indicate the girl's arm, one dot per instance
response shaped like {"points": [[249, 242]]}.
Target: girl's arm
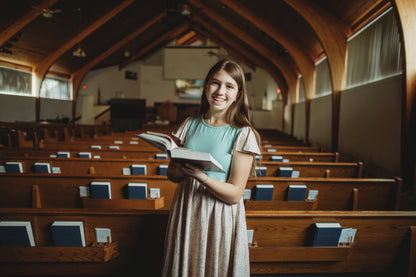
{"points": [[232, 190]]}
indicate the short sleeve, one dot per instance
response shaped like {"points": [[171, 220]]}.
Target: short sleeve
{"points": [[181, 132], [246, 142]]}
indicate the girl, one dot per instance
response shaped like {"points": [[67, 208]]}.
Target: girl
{"points": [[207, 233]]}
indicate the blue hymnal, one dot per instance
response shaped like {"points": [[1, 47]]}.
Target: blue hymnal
{"points": [[68, 233], [263, 192], [14, 167], [297, 193], [42, 168], [326, 234], [137, 191], [285, 171], [261, 171], [84, 155], [160, 156], [258, 157], [16, 233], [138, 169], [276, 158], [100, 190], [63, 155], [162, 169]]}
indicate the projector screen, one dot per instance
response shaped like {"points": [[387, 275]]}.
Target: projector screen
{"points": [[187, 62]]}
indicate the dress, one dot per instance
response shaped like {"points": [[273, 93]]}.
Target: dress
{"points": [[206, 236]]}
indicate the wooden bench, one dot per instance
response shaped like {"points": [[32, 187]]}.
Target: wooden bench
{"points": [[316, 169], [62, 191], [302, 156], [333, 194], [112, 167], [139, 236], [383, 243], [15, 152]]}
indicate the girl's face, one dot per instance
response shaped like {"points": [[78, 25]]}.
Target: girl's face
{"points": [[221, 91]]}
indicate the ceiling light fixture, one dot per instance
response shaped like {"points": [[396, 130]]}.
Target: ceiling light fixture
{"points": [[79, 52], [186, 10]]}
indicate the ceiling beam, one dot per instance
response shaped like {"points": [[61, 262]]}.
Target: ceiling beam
{"points": [[19, 24], [41, 70], [332, 34], [303, 61], [178, 30], [77, 76], [219, 34], [285, 66], [230, 50], [406, 10]]}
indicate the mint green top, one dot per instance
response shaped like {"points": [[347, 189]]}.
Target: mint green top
{"points": [[220, 142]]}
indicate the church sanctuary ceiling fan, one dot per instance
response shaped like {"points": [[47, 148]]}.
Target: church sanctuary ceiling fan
{"points": [[48, 12]]}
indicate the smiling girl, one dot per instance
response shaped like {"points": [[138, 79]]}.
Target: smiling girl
{"points": [[207, 233]]}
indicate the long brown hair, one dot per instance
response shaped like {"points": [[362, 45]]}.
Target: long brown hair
{"points": [[237, 114]]}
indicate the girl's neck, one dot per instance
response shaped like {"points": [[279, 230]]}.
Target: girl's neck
{"points": [[216, 120]]}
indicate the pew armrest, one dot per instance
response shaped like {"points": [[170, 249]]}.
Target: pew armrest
{"points": [[95, 253], [135, 204], [281, 205], [298, 254]]}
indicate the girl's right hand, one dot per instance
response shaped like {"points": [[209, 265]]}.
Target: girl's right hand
{"points": [[175, 172]]}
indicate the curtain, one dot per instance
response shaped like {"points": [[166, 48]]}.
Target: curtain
{"points": [[13, 81], [323, 85], [375, 52], [301, 96], [56, 88]]}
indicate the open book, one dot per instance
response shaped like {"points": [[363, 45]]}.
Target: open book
{"points": [[181, 154]]}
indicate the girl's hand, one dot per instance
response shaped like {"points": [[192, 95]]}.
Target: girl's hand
{"points": [[175, 172], [194, 171]]}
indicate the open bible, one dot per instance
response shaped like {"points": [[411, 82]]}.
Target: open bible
{"points": [[181, 154]]}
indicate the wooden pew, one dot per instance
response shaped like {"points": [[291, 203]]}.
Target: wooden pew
{"points": [[381, 245], [112, 167], [333, 194], [316, 169], [150, 153], [302, 156], [62, 191], [15, 153], [138, 235], [282, 243]]}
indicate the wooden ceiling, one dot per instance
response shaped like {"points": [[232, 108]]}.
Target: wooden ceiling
{"points": [[271, 34]]}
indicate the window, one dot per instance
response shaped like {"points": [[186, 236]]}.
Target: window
{"points": [[14, 81], [301, 96], [323, 85], [56, 88], [374, 53]]}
